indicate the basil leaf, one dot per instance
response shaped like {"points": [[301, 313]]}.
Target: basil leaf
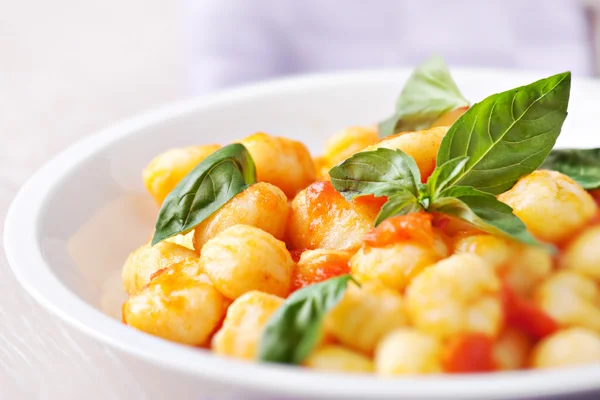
{"points": [[402, 203], [428, 93], [210, 185], [582, 165], [443, 175], [294, 329], [381, 172], [508, 134], [484, 211]]}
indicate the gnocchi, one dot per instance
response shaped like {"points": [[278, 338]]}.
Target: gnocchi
{"points": [[551, 204], [392, 266], [365, 315], [511, 350], [395, 265], [245, 320], [177, 306], [408, 351], [320, 218], [582, 255], [421, 145], [571, 299], [522, 267], [166, 170], [282, 162], [147, 260], [262, 205], [243, 258], [347, 142], [466, 294], [574, 346], [335, 358]]}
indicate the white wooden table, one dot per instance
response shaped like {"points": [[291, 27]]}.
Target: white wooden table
{"points": [[66, 70]]}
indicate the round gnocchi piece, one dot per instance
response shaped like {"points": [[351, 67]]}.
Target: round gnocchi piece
{"points": [[261, 205], [334, 358], [243, 258], [394, 265], [496, 251], [574, 346], [143, 262], [166, 170], [529, 266], [448, 118], [511, 350], [460, 294], [422, 146], [347, 142], [365, 315], [522, 267], [244, 323], [408, 351], [320, 218], [571, 299], [582, 255], [283, 162], [322, 168], [177, 306], [551, 204]]}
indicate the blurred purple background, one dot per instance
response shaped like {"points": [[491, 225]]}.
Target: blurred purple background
{"points": [[236, 41]]}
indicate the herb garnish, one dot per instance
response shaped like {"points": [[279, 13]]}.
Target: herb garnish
{"points": [[498, 140], [428, 93], [211, 184], [582, 165], [295, 328]]}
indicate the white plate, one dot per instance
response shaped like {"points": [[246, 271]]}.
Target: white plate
{"points": [[73, 223]]}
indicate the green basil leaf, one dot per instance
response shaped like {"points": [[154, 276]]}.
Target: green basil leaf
{"points": [[211, 184], [387, 127], [402, 203], [294, 329], [582, 165], [484, 211], [428, 93], [508, 134], [443, 175], [381, 172]]}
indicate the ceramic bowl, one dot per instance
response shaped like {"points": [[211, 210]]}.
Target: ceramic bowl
{"points": [[74, 222]]}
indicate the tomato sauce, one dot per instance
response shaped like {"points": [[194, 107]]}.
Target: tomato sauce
{"points": [[296, 254], [371, 201], [523, 314], [318, 273], [468, 353], [414, 226], [321, 196]]}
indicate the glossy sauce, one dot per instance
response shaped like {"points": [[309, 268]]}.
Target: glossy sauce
{"points": [[524, 315], [468, 353], [319, 272], [415, 226]]}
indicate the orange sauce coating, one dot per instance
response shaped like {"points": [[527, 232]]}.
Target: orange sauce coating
{"points": [[523, 314], [468, 353], [319, 271], [414, 226]]}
